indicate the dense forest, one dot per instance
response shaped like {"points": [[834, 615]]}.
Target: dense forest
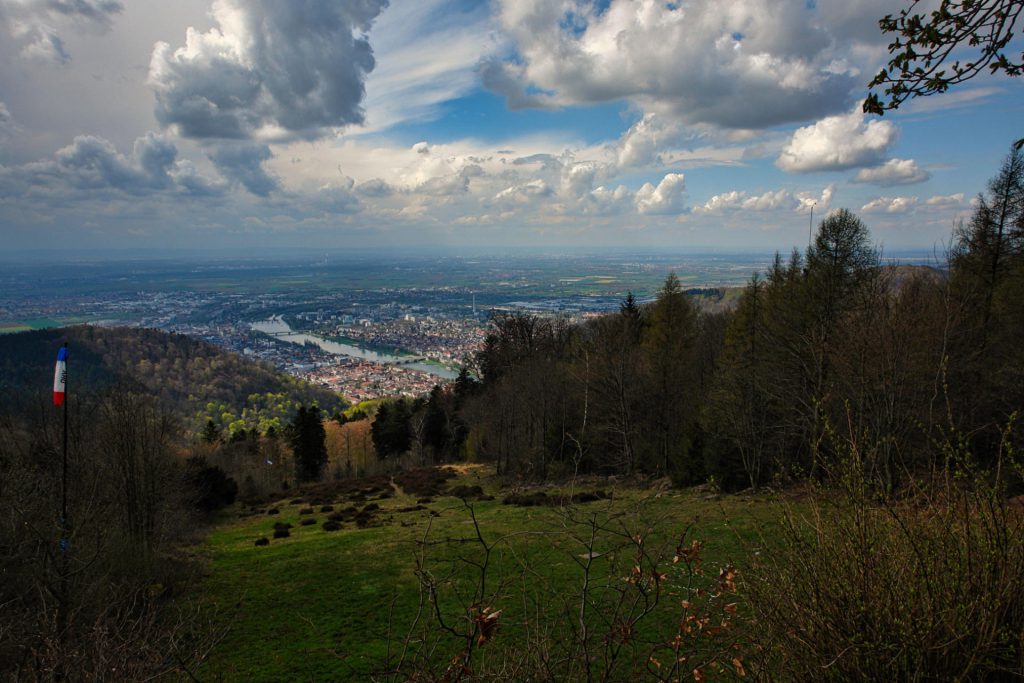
{"points": [[830, 347]]}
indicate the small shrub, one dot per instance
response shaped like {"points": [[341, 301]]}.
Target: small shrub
{"points": [[590, 497], [331, 525], [306, 511], [282, 525], [336, 517], [370, 507], [466, 492], [273, 511], [262, 541], [282, 533], [308, 521], [327, 508]]}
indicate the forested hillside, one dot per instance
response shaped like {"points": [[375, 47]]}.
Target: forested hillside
{"points": [[830, 351], [193, 378]]}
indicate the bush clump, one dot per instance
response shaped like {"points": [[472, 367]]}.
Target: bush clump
{"points": [[262, 541], [282, 533], [212, 488], [308, 521], [923, 587], [466, 492], [331, 525], [542, 499]]}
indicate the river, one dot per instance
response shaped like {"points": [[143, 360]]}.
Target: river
{"points": [[277, 327]]}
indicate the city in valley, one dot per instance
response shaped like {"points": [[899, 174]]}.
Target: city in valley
{"points": [[365, 326]]}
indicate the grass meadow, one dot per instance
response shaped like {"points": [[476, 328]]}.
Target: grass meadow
{"points": [[346, 604]]}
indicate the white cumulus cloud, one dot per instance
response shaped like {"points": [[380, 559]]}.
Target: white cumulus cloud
{"points": [[947, 201], [743, 64], [92, 167], [35, 24], [773, 200], [524, 194], [890, 205], [268, 69], [893, 172], [669, 197], [837, 143], [7, 124]]}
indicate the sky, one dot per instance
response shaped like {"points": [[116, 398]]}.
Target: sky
{"points": [[686, 125]]}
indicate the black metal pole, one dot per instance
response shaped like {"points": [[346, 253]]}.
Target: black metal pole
{"points": [[62, 614], [64, 468]]}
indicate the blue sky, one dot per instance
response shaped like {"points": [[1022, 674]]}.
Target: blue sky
{"points": [[255, 123]]}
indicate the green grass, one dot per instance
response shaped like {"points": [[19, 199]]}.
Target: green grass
{"points": [[9, 326], [321, 606], [41, 323]]}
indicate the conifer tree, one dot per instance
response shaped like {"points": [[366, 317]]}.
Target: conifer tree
{"points": [[308, 440]]}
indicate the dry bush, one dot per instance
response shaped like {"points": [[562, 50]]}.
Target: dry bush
{"points": [[926, 586], [350, 450]]}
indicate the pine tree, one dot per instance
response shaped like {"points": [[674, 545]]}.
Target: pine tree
{"points": [[308, 440], [210, 432], [668, 343]]}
